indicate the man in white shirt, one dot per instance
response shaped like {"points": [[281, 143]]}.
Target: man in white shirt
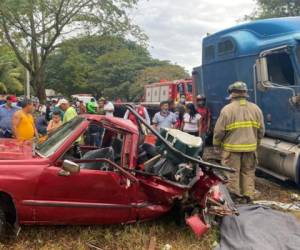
{"points": [[106, 107]]}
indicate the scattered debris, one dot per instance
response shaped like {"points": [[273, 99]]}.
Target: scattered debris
{"points": [[295, 206], [295, 197]]}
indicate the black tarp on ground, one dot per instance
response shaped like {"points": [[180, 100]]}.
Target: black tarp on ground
{"points": [[260, 228]]}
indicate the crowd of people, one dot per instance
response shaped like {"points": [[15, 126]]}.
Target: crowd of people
{"points": [[194, 120], [16, 119], [26, 120]]}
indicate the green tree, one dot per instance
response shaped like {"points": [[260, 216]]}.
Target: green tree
{"points": [[275, 8], [106, 65], [38, 26], [11, 72], [116, 70], [96, 64], [67, 70]]}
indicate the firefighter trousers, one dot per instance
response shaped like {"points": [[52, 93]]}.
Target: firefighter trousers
{"points": [[242, 182]]}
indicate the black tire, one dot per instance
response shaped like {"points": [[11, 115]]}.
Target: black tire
{"points": [[177, 214], [3, 224]]}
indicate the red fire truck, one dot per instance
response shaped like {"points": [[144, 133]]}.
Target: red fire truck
{"points": [[167, 90], [164, 90]]}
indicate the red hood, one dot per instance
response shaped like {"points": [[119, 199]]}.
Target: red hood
{"points": [[11, 149]]}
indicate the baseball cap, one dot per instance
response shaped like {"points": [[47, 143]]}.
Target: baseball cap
{"points": [[11, 98], [62, 101], [200, 97]]}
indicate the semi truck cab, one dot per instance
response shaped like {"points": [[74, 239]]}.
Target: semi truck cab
{"points": [[266, 55]]}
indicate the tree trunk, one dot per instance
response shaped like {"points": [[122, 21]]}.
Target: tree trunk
{"points": [[38, 85]]}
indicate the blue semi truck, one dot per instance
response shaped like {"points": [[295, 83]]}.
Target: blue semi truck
{"points": [[266, 55]]}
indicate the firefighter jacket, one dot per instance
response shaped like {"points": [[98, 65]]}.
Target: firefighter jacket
{"points": [[240, 127]]}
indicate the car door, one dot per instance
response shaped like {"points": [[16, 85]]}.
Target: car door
{"points": [[88, 197], [275, 101]]}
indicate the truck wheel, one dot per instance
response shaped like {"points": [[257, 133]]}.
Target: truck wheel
{"points": [[3, 224], [178, 214]]}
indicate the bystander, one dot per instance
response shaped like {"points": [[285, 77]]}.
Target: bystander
{"points": [[205, 116], [7, 112], [164, 118], [69, 112], [23, 127], [191, 121], [106, 107], [55, 122]]}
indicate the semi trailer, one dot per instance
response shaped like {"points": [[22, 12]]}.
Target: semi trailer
{"points": [[265, 54]]}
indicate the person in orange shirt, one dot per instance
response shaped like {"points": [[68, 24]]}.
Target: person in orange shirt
{"points": [[23, 126]]}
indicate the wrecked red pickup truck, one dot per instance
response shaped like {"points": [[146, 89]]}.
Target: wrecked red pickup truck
{"points": [[69, 180]]}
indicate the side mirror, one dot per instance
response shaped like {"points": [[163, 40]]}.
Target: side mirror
{"points": [[69, 168], [262, 74]]}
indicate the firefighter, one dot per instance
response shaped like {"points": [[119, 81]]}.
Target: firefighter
{"points": [[238, 132]]}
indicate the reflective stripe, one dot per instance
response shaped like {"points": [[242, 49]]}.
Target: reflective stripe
{"points": [[244, 124], [243, 102], [240, 147], [216, 142]]}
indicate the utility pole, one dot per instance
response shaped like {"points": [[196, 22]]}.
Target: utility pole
{"points": [[27, 78]]}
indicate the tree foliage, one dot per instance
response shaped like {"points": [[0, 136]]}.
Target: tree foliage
{"points": [[275, 8], [106, 66], [11, 72], [39, 26]]}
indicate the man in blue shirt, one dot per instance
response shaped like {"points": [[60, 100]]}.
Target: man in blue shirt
{"points": [[164, 118], [6, 113]]}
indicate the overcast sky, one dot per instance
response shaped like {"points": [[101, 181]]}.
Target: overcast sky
{"points": [[176, 27]]}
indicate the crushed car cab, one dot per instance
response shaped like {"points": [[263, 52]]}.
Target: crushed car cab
{"points": [[99, 170]]}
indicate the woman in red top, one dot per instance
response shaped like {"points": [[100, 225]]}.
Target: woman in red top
{"points": [[206, 118]]}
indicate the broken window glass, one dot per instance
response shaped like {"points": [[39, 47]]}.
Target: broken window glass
{"points": [[280, 69]]}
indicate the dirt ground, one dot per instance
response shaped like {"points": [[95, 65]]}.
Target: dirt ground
{"points": [[269, 187], [140, 236]]}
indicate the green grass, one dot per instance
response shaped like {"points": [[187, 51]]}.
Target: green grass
{"points": [[131, 237]]}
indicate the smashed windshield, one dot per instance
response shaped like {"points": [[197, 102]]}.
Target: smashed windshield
{"points": [[50, 146]]}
